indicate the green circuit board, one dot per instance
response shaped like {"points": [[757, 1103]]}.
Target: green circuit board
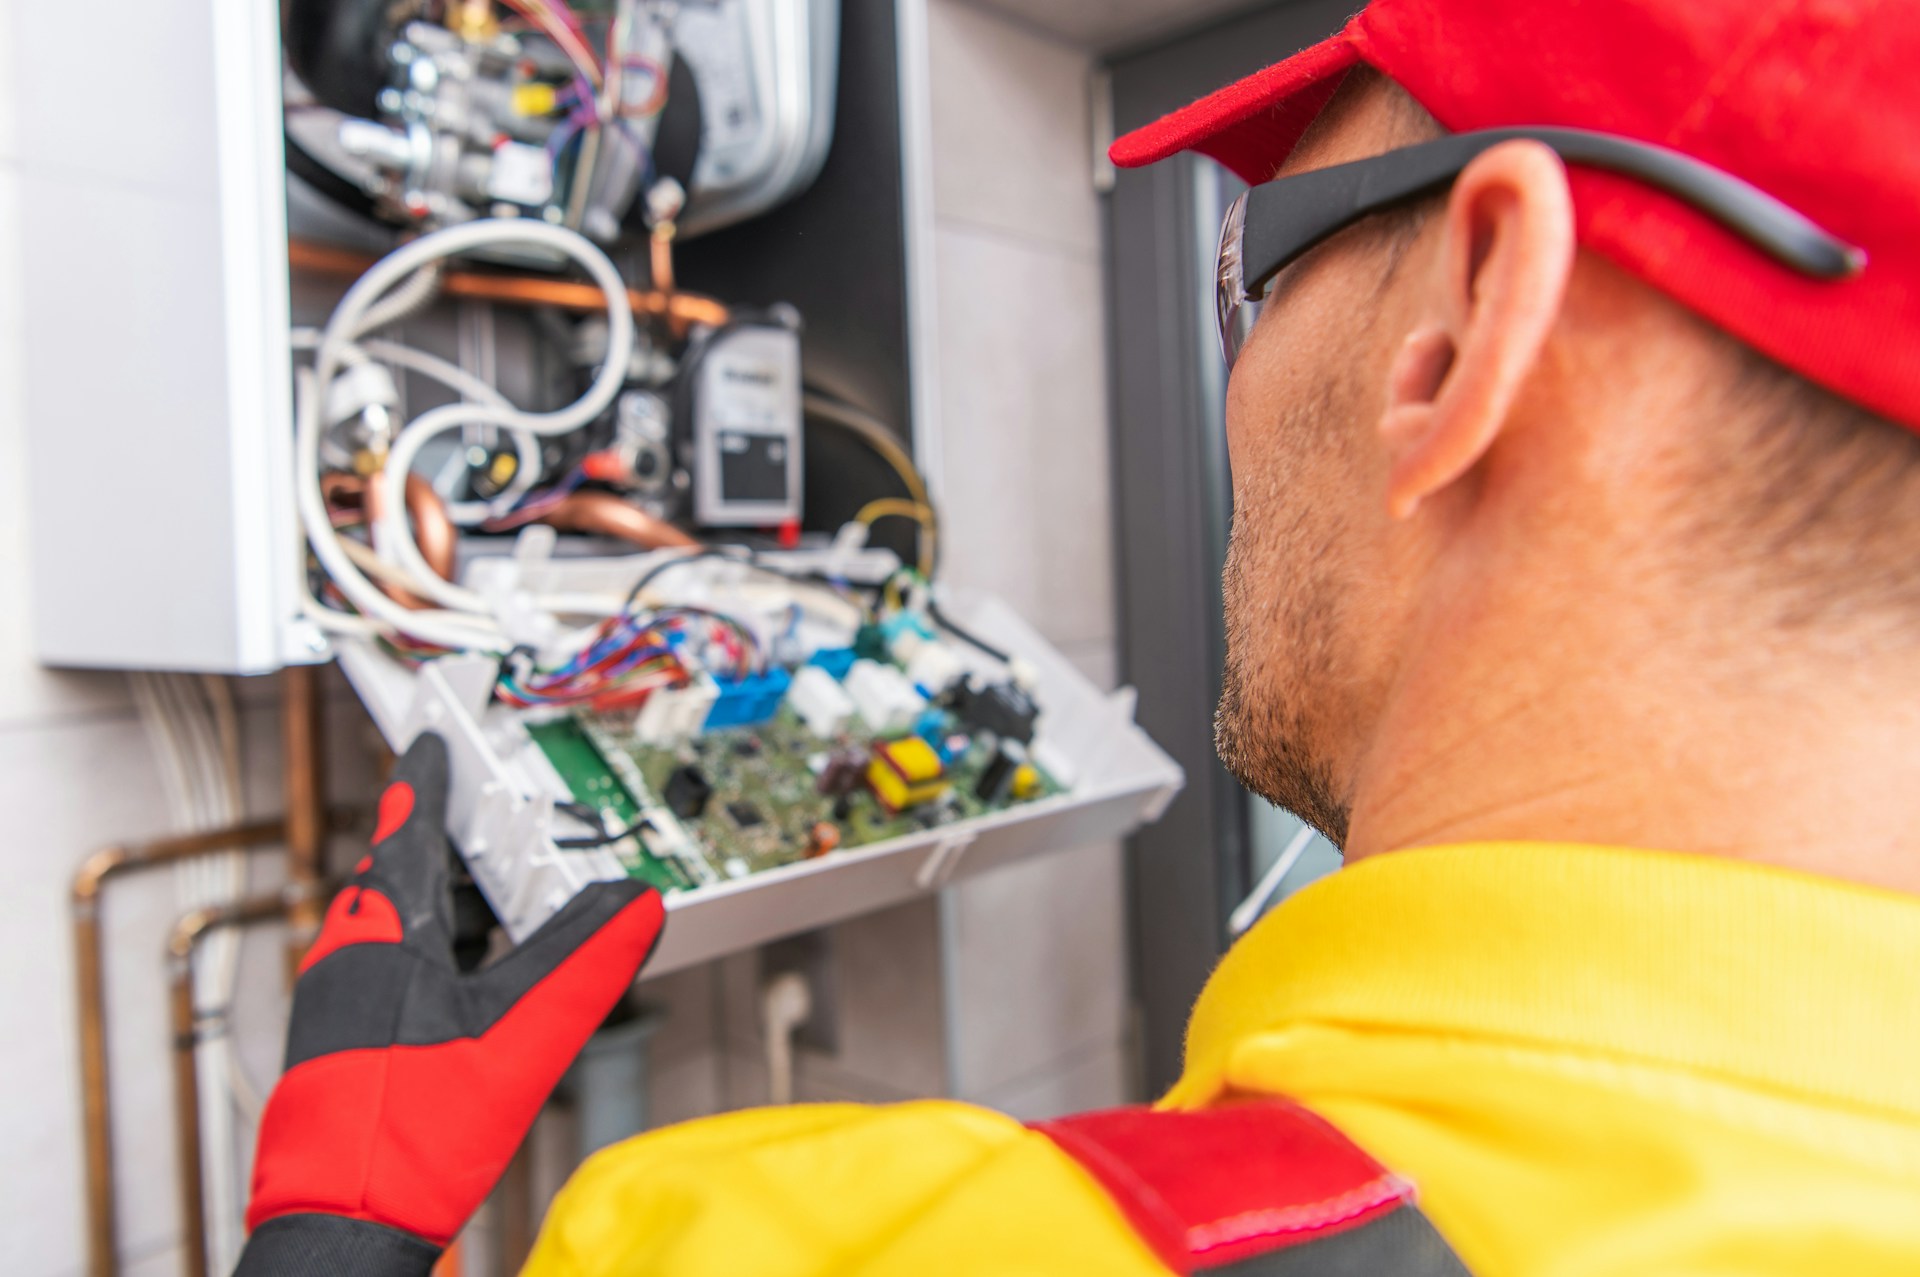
{"points": [[594, 784], [765, 797]]}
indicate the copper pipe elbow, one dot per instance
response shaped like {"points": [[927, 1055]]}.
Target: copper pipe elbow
{"points": [[433, 529], [604, 514]]}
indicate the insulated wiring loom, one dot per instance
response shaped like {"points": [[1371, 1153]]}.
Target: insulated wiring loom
{"points": [[595, 648]]}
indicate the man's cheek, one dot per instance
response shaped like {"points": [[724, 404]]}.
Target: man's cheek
{"points": [[1256, 407], [1239, 420]]}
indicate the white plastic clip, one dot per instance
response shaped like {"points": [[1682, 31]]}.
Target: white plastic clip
{"points": [[938, 868]]}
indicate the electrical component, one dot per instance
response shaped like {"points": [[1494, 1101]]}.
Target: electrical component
{"points": [[822, 704], [870, 644], [821, 839], [435, 123], [1027, 782], [643, 443], [841, 775], [674, 714], [934, 668], [836, 661], [996, 779], [743, 702], [904, 632], [1000, 708], [887, 701], [688, 791], [906, 773], [741, 388]]}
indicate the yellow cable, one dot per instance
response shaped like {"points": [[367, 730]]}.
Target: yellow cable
{"points": [[898, 508], [881, 440]]}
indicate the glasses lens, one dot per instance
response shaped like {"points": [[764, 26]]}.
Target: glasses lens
{"points": [[1234, 309]]}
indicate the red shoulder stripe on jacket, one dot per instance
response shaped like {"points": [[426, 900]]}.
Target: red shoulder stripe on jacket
{"points": [[1211, 1188]]}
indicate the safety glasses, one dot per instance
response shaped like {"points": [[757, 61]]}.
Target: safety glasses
{"points": [[1271, 225]]}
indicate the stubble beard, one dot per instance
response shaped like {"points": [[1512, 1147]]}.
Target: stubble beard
{"points": [[1281, 603]]}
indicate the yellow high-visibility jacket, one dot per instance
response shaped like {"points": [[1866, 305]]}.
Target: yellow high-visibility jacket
{"points": [[1590, 1062]]}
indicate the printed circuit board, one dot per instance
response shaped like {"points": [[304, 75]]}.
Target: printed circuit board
{"points": [[768, 795]]}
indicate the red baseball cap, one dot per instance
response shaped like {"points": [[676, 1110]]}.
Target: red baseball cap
{"points": [[1813, 101]]}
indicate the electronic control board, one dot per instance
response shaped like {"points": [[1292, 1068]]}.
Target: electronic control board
{"points": [[747, 799], [848, 770]]}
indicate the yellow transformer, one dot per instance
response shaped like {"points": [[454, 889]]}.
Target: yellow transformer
{"points": [[906, 773]]}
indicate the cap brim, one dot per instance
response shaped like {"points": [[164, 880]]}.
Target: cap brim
{"points": [[1250, 126]]}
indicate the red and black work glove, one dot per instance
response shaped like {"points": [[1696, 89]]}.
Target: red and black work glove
{"points": [[409, 1084]]}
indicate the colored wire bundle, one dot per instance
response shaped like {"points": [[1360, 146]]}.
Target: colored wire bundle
{"points": [[629, 659], [555, 20], [656, 100], [537, 504]]}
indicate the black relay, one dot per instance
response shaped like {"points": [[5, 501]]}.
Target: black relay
{"points": [[1000, 708], [688, 790]]}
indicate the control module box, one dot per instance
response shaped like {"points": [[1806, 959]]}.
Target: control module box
{"points": [[852, 766]]}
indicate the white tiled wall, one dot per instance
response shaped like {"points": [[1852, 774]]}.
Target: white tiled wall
{"points": [[75, 774], [1036, 953], [1028, 1011]]}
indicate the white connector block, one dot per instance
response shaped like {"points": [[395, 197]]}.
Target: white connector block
{"points": [[675, 714], [885, 697], [822, 704], [934, 668]]}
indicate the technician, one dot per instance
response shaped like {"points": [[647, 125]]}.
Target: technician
{"points": [[1573, 592]]}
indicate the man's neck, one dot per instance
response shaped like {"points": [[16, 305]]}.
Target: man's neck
{"points": [[1551, 728]]}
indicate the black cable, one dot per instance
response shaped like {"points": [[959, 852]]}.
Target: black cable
{"points": [[747, 559], [651, 574], [946, 623], [604, 838]]}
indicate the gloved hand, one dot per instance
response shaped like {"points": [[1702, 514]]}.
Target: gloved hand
{"points": [[409, 1085]]}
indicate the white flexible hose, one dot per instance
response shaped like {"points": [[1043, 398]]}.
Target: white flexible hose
{"points": [[526, 446], [375, 607], [393, 537], [407, 300]]}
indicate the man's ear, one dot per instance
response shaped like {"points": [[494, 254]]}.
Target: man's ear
{"points": [[1508, 251]]}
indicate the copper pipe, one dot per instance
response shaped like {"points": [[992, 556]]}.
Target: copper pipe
{"points": [[521, 290], [181, 944], [433, 529], [342, 491], [660, 262], [96, 1094], [661, 258], [473, 20], [604, 514], [301, 747]]}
